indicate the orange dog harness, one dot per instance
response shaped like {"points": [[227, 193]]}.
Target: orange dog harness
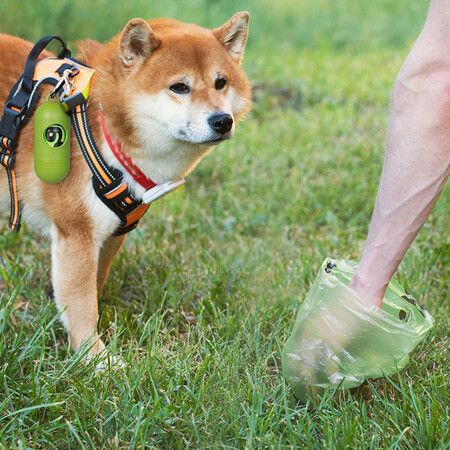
{"points": [[72, 81]]}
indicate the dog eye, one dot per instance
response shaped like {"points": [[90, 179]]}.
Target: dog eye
{"points": [[220, 83], [180, 88]]}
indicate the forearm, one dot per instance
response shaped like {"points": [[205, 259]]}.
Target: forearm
{"points": [[413, 176], [417, 159]]}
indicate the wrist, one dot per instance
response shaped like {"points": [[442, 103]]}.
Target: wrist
{"points": [[366, 290]]}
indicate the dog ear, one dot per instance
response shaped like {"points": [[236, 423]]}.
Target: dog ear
{"points": [[137, 42], [233, 34]]}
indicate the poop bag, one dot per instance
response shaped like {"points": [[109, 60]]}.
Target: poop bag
{"points": [[338, 341]]}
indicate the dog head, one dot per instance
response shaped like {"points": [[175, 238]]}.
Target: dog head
{"points": [[172, 89]]}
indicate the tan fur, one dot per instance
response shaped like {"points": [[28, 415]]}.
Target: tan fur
{"points": [[107, 252], [140, 63]]}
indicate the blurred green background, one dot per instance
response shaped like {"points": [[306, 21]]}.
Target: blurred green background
{"points": [[276, 25]]}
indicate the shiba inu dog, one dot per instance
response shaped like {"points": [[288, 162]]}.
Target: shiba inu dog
{"points": [[168, 91]]}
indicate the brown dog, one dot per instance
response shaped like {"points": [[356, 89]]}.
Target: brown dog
{"points": [[161, 85]]}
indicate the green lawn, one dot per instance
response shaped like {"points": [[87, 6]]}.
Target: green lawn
{"points": [[205, 294]]}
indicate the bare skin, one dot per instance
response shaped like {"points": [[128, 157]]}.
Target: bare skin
{"points": [[417, 158]]}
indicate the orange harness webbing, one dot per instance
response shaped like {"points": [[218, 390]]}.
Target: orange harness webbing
{"points": [[7, 161], [16, 110], [107, 181]]}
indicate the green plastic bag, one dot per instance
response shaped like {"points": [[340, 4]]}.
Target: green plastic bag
{"points": [[339, 341]]}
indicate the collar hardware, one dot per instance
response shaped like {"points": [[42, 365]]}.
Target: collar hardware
{"points": [[161, 190]]}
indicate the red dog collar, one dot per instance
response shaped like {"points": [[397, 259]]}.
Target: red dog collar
{"points": [[125, 160], [153, 191]]}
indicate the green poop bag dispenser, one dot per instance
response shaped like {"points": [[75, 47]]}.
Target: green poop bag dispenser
{"points": [[51, 142], [339, 341]]}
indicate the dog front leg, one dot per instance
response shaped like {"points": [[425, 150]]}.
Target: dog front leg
{"points": [[74, 273]]}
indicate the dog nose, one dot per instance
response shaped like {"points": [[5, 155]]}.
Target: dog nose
{"points": [[221, 123]]}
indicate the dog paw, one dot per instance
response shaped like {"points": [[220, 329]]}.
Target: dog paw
{"points": [[107, 362]]}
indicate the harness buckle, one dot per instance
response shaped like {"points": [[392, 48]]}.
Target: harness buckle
{"points": [[10, 123]]}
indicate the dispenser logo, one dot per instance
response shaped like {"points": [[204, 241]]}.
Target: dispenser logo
{"points": [[55, 135]]}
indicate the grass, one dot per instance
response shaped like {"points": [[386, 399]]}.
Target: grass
{"points": [[205, 294]]}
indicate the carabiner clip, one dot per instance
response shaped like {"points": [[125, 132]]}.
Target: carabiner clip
{"points": [[66, 83]]}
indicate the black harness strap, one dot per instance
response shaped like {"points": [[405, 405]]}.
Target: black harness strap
{"points": [[14, 113], [7, 161], [107, 181], [39, 47]]}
